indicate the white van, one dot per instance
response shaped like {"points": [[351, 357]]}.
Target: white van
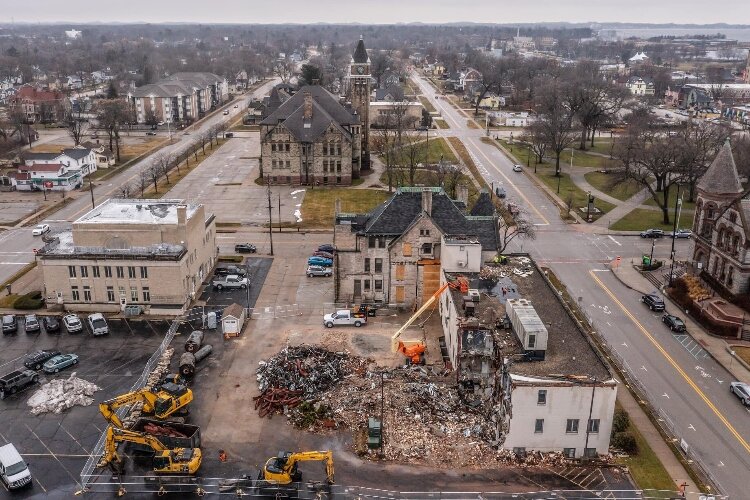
{"points": [[13, 470], [98, 324]]}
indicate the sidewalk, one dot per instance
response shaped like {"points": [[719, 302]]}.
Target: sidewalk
{"points": [[717, 347]]}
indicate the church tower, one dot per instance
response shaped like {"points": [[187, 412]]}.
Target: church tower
{"points": [[359, 95]]}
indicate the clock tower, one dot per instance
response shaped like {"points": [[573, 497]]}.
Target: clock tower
{"points": [[359, 96]]}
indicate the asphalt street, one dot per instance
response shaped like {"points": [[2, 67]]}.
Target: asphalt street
{"points": [[689, 388]]}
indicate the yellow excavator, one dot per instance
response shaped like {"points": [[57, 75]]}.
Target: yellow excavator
{"points": [[168, 400], [414, 349], [282, 469], [166, 461]]}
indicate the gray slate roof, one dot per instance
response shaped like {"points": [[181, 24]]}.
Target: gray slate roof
{"points": [[360, 53], [178, 83], [40, 156], [397, 214], [721, 177], [326, 111], [77, 153], [483, 205]]}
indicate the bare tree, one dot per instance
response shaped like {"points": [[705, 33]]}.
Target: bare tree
{"points": [[284, 69], [154, 174], [163, 163], [556, 122], [77, 127], [126, 190], [144, 178], [514, 223], [112, 114], [537, 140], [449, 174], [384, 144], [413, 151]]}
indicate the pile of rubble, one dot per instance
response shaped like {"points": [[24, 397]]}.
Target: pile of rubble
{"points": [[156, 376], [60, 394], [301, 373]]}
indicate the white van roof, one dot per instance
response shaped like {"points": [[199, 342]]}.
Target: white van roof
{"points": [[9, 455], [96, 316]]}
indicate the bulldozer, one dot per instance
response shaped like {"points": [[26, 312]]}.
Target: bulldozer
{"points": [[282, 469], [183, 461], [414, 349], [167, 401]]}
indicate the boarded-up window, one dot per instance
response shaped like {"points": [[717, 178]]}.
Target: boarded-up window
{"points": [[399, 294], [407, 249], [399, 271]]}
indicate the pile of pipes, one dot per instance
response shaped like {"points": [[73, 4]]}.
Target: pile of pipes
{"points": [[301, 373], [61, 394]]}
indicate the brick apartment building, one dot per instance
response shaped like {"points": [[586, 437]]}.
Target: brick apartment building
{"points": [[40, 106]]}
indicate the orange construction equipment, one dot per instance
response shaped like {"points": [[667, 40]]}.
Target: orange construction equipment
{"points": [[414, 350]]}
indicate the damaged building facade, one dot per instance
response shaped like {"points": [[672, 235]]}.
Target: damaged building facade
{"points": [[393, 254], [521, 359]]}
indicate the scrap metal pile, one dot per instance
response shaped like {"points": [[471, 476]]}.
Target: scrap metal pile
{"points": [[300, 373], [163, 430]]}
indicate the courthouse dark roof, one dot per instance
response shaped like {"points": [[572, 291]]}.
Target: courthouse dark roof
{"points": [[360, 54], [721, 177]]}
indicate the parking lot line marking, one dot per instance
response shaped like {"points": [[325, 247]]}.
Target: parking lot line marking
{"points": [[674, 364], [39, 483], [75, 480], [73, 438], [62, 455], [3, 438]]}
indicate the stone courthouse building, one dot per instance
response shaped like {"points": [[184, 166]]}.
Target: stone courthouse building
{"points": [[721, 225], [392, 255], [316, 138]]}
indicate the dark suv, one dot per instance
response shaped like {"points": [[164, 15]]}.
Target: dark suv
{"points": [[225, 271], [653, 301], [673, 322], [16, 381], [10, 324], [35, 360]]}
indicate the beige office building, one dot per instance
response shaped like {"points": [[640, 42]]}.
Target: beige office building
{"points": [[151, 253]]}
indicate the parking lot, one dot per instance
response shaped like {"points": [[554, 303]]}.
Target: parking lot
{"points": [[57, 446], [257, 270]]}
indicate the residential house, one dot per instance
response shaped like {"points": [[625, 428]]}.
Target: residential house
{"points": [[511, 119], [390, 80], [241, 80], [74, 82], [392, 255], [150, 253], [105, 157], [49, 176], [41, 106], [79, 159], [694, 97], [639, 57], [491, 101], [181, 97], [392, 93], [640, 86], [407, 113]]}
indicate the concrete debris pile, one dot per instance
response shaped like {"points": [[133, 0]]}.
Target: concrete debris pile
{"points": [[493, 273], [60, 394], [300, 373], [154, 378], [520, 266]]}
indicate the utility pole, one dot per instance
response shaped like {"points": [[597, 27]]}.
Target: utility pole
{"points": [[674, 234], [91, 190], [270, 219], [382, 413], [279, 211]]}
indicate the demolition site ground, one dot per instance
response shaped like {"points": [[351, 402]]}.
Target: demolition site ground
{"points": [[434, 445]]}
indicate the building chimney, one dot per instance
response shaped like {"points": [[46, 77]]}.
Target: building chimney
{"points": [[308, 106], [427, 200], [181, 215], [462, 193]]}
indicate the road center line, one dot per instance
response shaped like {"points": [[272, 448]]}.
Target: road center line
{"points": [[674, 364]]}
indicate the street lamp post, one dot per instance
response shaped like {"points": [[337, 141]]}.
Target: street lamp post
{"points": [[653, 244], [91, 190], [677, 207]]}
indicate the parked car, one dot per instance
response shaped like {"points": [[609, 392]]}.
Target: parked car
{"points": [[325, 255], [40, 230], [681, 233], [653, 301], [224, 271], [35, 360], [98, 324], [13, 470], [319, 261], [51, 324], [245, 248], [500, 192], [652, 233], [327, 248], [229, 281], [10, 324], [31, 324], [673, 322], [16, 381], [344, 317], [517, 168], [226, 112], [57, 363], [228, 135], [150, 133], [236, 106], [318, 271], [423, 128], [742, 391], [72, 323]]}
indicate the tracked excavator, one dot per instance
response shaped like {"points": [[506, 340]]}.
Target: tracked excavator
{"points": [[414, 349], [282, 469], [169, 399], [166, 461]]}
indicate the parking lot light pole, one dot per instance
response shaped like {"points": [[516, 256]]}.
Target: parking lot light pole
{"points": [[677, 205], [91, 190]]}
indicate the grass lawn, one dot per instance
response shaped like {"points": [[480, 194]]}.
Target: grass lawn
{"points": [[437, 148], [583, 159], [640, 219], [602, 145], [622, 191], [466, 159], [646, 468], [743, 352], [471, 124], [318, 205], [427, 104], [546, 173], [441, 123], [686, 205], [425, 177]]}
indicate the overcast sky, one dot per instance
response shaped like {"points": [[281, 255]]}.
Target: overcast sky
{"points": [[376, 11]]}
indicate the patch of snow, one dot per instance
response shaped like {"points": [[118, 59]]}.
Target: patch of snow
{"points": [[61, 394], [296, 191], [298, 205], [298, 215]]}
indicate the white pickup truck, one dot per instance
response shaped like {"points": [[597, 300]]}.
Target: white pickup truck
{"points": [[344, 317], [230, 281]]}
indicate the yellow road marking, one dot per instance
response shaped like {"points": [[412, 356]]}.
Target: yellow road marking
{"points": [[674, 364], [520, 193]]}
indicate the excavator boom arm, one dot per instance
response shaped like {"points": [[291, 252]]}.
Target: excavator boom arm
{"points": [[306, 456], [425, 306]]}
